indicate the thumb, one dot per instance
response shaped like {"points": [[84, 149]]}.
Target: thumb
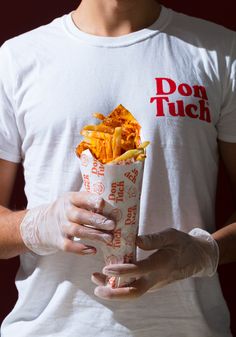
{"points": [[157, 240]]}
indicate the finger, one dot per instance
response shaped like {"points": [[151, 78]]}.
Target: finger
{"points": [[87, 200], [78, 248], [108, 293], [99, 279], [84, 232], [157, 240], [83, 216], [126, 269], [152, 263], [135, 290]]}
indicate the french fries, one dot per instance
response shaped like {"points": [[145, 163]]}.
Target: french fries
{"points": [[115, 139], [128, 155], [116, 142]]}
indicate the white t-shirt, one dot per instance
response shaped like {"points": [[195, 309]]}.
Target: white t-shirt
{"points": [[177, 77]]}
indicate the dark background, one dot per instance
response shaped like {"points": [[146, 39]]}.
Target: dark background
{"points": [[21, 16]]}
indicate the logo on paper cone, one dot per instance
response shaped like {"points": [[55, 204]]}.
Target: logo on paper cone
{"points": [[98, 168], [132, 175], [117, 191], [131, 215], [98, 188], [84, 160], [116, 243], [86, 181]]}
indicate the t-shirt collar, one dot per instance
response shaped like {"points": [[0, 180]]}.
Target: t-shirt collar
{"points": [[119, 41]]}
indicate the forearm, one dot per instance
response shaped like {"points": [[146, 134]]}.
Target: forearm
{"points": [[226, 239], [11, 243]]}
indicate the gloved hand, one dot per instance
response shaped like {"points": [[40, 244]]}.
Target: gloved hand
{"points": [[49, 228], [178, 256]]}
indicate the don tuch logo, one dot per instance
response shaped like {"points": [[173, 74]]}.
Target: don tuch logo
{"points": [[165, 87]]}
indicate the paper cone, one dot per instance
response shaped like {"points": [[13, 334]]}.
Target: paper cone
{"points": [[120, 186]]}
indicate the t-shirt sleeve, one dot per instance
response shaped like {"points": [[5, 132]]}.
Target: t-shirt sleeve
{"points": [[10, 144], [226, 125]]}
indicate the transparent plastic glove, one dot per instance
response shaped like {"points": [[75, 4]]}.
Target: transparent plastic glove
{"points": [[49, 228], [178, 256]]}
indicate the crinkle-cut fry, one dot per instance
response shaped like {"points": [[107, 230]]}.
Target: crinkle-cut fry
{"points": [[82, 147], [98, 115], [141, 157], [137, 140], [93, 134], [101, 152], [108, 147], [143, 145], [127, 155], [116, 142], [100, 127]]}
